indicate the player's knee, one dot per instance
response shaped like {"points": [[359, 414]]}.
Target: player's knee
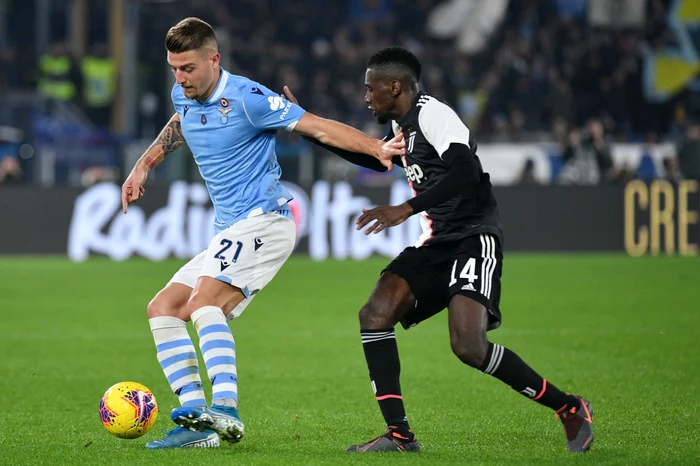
{"points": [[471, 352], [199, 300], [374, 316], [159, 307], [194, 303]]}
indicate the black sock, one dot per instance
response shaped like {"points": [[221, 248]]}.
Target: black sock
{"points": [[507, 367], [384, 366]]}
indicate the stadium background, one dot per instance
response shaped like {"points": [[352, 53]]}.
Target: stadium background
{"points": [[587, 115]]}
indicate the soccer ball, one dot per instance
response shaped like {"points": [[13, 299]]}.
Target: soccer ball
{"points": [[128, 410]]}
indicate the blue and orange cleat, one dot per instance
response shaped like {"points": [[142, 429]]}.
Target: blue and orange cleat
{"points": [[578, 426], [224, 420], [182, 438]]}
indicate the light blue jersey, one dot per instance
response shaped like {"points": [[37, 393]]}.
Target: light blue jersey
{"points": [[232, 137]]}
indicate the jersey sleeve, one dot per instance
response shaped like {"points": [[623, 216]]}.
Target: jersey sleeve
{"points": [[268, 111], [441, 126]]}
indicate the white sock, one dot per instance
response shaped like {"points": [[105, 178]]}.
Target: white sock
{"points": [[219, 353], [178, 358]]}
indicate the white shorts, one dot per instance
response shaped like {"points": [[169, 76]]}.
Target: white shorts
{"points": [[246, 255]]}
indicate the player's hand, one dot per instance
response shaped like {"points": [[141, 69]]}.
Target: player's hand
{"points": [[392, 148], [385, 216], [288, 94], [132, 189]]}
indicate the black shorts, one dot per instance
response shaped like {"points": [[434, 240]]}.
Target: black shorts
{"points": [[470, 267]]}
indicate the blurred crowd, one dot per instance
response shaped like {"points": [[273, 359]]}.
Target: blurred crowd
{"points": [[543, 70], [545, 74]]}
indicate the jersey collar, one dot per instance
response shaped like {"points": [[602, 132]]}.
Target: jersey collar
{"points": [[220, 86], [409, 115]]}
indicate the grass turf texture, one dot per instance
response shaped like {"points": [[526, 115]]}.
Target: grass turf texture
{"points": [[623, 332]]}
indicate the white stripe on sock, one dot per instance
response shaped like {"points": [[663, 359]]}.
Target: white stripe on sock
{"points": [[214, 352], [377, 334], [163, 355], [226, 387], [370, 340], [498, 362], [182, 381], [190, 396], [494, 356], [221, 369], [171, 369], [495, 359], [215, 336]]}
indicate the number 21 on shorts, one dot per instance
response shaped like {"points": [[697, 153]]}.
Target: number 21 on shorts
{"points": [[227, 244], [467, 272]]}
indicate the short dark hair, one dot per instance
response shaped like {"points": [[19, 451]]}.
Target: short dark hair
{"points": [[189, 34], [396, 61]]}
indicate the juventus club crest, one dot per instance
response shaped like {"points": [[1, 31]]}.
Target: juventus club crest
{"points": [[224, 110], [411, 140]]}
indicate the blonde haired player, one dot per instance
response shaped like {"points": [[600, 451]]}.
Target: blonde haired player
{"points": [[230, 124]]}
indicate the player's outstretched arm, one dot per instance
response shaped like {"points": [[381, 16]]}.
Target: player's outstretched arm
{"points": [[362, 160], [169, 140], [342, 136]]}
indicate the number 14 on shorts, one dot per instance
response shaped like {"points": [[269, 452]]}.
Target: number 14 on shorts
{"points": [[467, 272]]}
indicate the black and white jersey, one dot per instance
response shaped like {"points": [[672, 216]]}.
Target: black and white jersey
{"points": [[429, 128]]}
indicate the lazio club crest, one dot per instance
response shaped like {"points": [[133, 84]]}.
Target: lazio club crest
{"points": [[224, 109]]}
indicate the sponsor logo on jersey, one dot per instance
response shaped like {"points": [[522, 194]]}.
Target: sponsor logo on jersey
{"points": [[414, 173], [276, 103]]}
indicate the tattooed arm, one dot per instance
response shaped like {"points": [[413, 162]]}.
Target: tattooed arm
{"points": [[169, 140]]}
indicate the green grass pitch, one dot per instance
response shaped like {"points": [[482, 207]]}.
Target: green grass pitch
{"points": [[623, 332]]}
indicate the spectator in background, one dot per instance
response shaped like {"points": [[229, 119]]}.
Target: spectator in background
{"points": [[527, 175], [672, 173], [99, 75], [10, 170], [10, 142], [10, 71], [369, 10], [560, 103], [587, 158], [689, 152], [58, 77]]}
